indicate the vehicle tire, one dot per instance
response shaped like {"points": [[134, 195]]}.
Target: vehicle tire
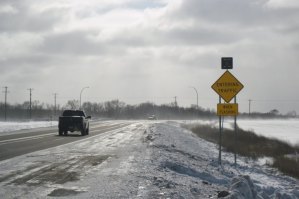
{"points": [[60, 132], [83, 132], [87, 131], [65, 133]]}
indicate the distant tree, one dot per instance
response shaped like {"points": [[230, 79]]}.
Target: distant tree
{"points": [[193, 106], [36, 105], [291, 114], [25, 105], [95, 109], [72, 104], [87, 107], [113, 108], [274, 112]]}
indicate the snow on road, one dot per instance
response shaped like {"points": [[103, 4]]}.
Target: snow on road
{"points": [[9, 128], [143, 160]]}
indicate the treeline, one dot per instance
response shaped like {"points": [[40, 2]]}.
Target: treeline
{"points": [[119, 110], [269, 115], [114, 109], [39, 111]]}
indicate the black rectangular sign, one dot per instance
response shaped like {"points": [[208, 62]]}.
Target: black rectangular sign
{"points": [[227, 63]]}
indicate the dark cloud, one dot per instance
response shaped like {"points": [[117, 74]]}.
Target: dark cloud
{"points": [[76, 43], [246, 14], [28, 20], [199, 36]]}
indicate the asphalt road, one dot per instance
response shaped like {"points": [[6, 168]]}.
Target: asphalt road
{"points": [[27, 142]]}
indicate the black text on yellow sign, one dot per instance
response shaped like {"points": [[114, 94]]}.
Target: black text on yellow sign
{"points": [[227, 109], [227, 86]]}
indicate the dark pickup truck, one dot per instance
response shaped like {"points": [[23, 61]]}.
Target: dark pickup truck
{"points": [[73, 120]]}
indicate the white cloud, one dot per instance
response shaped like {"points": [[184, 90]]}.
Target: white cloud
{"points": [[8, 9], [283, 3], [18, 44]]}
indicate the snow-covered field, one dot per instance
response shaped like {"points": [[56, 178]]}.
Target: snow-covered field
{"points": [[9, 127], [143, 160], [286, 130]]}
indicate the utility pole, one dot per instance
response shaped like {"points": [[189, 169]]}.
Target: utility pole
{"points": [[55, 96], [249, 106], [30, 102], [175, 102], [196, 96], [5, 102], [81, 95]]}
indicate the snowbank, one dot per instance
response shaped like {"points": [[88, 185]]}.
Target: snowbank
{"points": [[6, 127], [242, 187], [191, 165]]}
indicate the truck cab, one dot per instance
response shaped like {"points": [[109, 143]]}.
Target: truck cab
{"points": [[73, 120]]}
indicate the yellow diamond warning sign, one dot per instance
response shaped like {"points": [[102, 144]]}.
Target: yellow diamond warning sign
{"points": [[227, 109], [227, 86]]}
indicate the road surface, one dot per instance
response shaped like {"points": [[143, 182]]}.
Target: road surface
{"points": [[26, 142]]}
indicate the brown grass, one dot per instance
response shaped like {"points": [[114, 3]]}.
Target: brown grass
{"points": [[254, 146], [287, 165]]}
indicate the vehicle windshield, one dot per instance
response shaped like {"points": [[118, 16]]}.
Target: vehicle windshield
{"points": [[73, 113]]}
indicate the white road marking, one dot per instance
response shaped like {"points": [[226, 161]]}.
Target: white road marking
{"points": [[27, 138], [49, 134]]}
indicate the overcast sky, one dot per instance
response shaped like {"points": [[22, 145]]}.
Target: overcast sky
{"points": [[150, 50]]}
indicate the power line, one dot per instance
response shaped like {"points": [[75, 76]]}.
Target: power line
{"points": [[30, 103], [175, 102], [249, 106], [5, 102], [55, 96]]}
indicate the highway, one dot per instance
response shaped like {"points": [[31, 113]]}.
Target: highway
{"points": [[26, 142]]}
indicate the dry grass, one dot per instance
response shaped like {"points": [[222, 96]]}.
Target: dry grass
{"points": [[287, 165], [254, 146]]}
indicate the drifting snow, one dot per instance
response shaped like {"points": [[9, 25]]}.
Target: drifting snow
{"points": [[143, 160], [9, 127]]}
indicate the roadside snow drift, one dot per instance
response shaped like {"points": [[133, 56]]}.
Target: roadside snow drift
{"points": [[143, 160], [8, 128]]}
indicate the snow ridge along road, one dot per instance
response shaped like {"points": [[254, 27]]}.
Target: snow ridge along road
{"points": [[145, 159]]}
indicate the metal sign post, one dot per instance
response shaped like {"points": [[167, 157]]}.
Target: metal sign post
{"points": [[227, 87], [235, 144], [220, 130]]}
